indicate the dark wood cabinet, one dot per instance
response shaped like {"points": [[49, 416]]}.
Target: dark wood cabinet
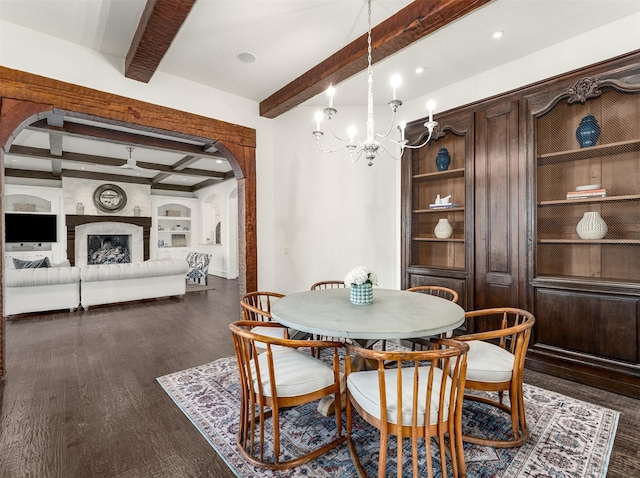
{"points": [[585, 280], [428, 259], [516, 241], [499, 201]]}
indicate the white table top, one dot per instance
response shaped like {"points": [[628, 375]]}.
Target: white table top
{"points": [[394, 314]]}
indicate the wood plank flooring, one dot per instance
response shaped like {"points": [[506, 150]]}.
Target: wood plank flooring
{"points": [[81, 399]]}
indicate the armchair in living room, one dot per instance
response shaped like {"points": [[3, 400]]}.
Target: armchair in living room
{"points": [[198, 267]]}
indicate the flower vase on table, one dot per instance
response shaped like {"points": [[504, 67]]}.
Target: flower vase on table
{"points": [[361, 281]]}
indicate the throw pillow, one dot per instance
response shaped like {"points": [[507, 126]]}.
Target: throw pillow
{"points": [[20, 264]]}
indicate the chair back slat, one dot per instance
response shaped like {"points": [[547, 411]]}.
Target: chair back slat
{"points": [[256, 306]]}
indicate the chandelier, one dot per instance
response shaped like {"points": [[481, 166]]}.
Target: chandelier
{"points": [[369, 146]]}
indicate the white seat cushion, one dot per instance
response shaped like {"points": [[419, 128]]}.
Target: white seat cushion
{"points": [[276, 332], [296, 373], [364, 388], [489, 363]]}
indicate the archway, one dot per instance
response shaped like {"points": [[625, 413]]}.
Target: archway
{"points": [[25, 98]]}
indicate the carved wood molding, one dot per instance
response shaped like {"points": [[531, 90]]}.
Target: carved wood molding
{"points": [[584, 89]]}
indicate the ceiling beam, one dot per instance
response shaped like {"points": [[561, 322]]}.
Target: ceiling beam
{"points": [[30, 152], [125, 138], [186, 161], [157, 28], [414, 22]]}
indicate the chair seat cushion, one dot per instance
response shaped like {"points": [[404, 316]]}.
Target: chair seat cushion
{"points": [[364, 388], [296, 373], [487, 362]]}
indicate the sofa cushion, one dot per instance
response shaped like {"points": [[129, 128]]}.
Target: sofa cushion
{"points": [[41, 276], [20, 264], [102, 272]]}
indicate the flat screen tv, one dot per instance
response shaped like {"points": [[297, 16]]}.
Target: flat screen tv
{"points": [[30, 228]]}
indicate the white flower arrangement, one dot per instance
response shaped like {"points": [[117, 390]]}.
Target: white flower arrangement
{"points": [[360, 275]]}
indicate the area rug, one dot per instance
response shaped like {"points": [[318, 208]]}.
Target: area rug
{"points": [[569, 438]]}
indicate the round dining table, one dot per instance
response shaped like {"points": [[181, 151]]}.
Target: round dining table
{"points": [[394, 314]]}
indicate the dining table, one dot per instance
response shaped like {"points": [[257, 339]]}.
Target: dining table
{"points": [[393, 314]]}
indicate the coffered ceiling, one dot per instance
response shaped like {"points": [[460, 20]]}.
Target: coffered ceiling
{"points": [[299, 47]]}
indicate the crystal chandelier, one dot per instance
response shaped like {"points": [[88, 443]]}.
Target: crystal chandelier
{"points": [[369, 146]]}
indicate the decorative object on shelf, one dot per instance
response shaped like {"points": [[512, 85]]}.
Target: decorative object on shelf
{"points": [[79, 209], [587, 193], [109, 198], [373, 142], [136, 211], [361, 281], [588, 131], [24, 207], [161, 243], [172, 213], [443, 159], [443, 229], [591, 226], [443, 203], [178, 240]]}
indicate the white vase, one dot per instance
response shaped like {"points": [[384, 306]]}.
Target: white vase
{"points": [[443, 229], [591, 226]]}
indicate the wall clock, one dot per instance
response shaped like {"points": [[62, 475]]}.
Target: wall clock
{"points": [[109, 198]]}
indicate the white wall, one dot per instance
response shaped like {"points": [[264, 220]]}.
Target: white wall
{"points": [[331, 214], [224, 256]]}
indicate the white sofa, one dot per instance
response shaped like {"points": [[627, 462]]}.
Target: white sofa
{"points": [[109, 283], [37, 290]]}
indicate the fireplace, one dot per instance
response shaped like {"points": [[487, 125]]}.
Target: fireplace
{"points": [[79, 228], [108, 249]]}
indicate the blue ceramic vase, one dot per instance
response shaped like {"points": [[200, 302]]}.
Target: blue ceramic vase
{"points": [[588, 132], [443, 159]]}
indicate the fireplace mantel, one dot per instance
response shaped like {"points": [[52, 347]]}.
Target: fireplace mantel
{"points": [[73, 221]]}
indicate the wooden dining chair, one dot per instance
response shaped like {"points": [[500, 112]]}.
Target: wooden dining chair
{"points": [[323, 285], [495, 363], [438, 291], [329, 284], [280, 377], [256, 307], [411, 395]]}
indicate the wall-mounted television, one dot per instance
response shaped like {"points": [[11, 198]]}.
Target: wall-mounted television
{"points": [[30, 228]]}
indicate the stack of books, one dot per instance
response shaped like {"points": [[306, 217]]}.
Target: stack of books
{"points": [[448, 205], [581, 193]]}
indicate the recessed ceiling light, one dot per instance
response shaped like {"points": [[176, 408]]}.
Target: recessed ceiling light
{"points": [[14, 160], [498, 34], [246, 57], [219, 161], [420, 69]]}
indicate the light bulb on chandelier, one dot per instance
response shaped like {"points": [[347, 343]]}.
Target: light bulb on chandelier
{"points": [[373, 142]]}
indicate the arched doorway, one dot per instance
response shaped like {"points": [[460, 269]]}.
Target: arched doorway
{"points": [[25, 98]]}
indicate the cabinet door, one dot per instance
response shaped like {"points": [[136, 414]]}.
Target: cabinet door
{"points": [[499, 207]]}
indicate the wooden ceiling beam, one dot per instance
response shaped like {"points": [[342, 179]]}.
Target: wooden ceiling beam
{"points": [[414, 22], [157, 28], [30, 152], [122, 137]]}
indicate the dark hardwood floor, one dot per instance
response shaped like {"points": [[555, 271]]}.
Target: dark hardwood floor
{"points": [[81, 399]]}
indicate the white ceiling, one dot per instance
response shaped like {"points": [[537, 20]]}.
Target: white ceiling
{"points": [[288, 37]]}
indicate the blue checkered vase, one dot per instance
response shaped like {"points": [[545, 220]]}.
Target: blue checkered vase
{"points": [[361, 294]]}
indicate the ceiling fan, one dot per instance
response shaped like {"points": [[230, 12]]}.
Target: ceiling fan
{"points": [[131, 163]]}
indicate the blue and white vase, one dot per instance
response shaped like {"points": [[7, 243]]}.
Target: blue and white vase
{"points": [[588, 132], [443, 159], [361, 294]]}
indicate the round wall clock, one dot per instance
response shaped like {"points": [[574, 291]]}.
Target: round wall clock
{"points": [[109, 198]]}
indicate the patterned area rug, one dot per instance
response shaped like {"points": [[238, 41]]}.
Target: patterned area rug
{"points": [[569, 438]]}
